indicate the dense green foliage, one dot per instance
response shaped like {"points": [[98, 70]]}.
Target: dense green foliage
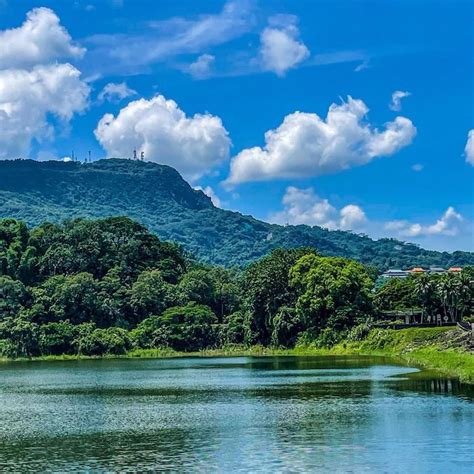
{"points": [[450, 295], [160, 199], [109, 286]]}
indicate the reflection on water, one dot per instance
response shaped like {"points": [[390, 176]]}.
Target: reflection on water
{"points": [[259, 414]]}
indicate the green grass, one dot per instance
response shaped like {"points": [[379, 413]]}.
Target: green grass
{"points": [[423, 347]]}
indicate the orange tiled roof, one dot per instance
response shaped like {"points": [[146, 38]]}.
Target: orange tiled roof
{"points": [[417, 270], [455, 269]]}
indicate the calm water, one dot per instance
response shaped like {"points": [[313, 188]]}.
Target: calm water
{"points": [[272, 414]]}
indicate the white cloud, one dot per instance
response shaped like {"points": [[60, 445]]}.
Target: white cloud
{"points": [[352, 217], [34, 87], [28, 98], [201, 68], [303, 206], [163, 40], [159, 128], [397, 97], [469, 148], [208, 191], [280, 48], [306, 145], [115, 92], [365, 64], [417, 167], [448, 224], [39, 40]]}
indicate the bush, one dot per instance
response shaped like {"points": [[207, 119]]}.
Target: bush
{"points": [[13, 296], [359, 332], [103, 341], [150, 334], [56, 338], [328, 338], [21, 337], [233, 329], [286, 327], [188, 328]]}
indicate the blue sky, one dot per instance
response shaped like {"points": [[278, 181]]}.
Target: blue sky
{"points": [[236, 95]]}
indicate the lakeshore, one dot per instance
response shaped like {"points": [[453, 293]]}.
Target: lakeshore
{"points": [[426, 348]]}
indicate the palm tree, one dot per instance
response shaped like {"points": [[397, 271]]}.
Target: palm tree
{"points": [[466, 292], [448, 290], [424, 290], [455, 292]]}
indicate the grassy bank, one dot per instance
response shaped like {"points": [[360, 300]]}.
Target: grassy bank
{"points": [[442, 349], [434, 348]]}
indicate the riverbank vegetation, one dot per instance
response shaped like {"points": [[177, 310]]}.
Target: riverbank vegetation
{"points": [[108, 286]]}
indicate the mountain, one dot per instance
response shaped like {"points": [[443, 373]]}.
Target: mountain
{"points": [[160, 198]]}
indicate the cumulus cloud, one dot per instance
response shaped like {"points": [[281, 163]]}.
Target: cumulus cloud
{"points": [[208, 191], [201, 68], [469, 148], [34, 87], [280, 48], [352, 217], [417, 167], [447, 224], [159, 128], [115, 92], [303, 206], [306, 145], [28, 98], [39, 40], [397, 97]]}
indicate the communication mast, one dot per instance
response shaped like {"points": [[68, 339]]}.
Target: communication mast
{"points": [[134, 154], [142, 156]]}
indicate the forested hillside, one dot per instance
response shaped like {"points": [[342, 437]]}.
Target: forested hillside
{"points": [[158, 197]]}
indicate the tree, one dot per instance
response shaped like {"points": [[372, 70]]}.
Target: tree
{"points": [[17, 259], [74, 297], [329, 287], [396, 294], [56, 338], [13, 297], [266, 288], [190, 327], [226, 291], [21, 336], [97, 246], [455, 292], [151, 294], [197, 285], [466, 294], [233, 329], [424, 289], [287, 325], [102, 341]]}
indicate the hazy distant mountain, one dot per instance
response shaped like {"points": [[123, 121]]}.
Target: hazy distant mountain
{"points": [[160, 198]]}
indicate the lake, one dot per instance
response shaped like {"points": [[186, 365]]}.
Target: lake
{"points": [[258, 414]]}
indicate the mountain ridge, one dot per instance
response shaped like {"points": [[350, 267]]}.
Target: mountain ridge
{"points": [[158, 197]]}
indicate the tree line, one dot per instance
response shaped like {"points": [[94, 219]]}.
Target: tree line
{"points": [[107, 286]]}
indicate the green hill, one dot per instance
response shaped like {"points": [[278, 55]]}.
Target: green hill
{"points": [[160, 198]]}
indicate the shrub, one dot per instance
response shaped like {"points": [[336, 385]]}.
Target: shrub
{"points": [[103, 341], [56, 338]]}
